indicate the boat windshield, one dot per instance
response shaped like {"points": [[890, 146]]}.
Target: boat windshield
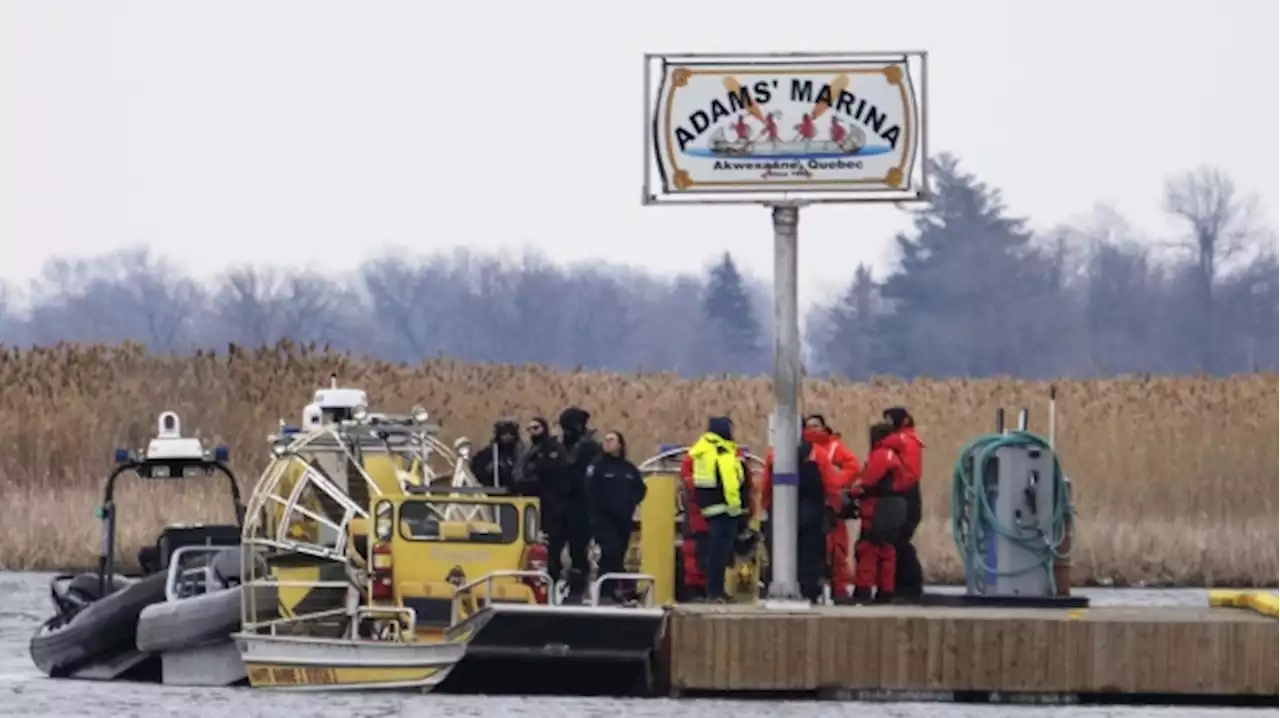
{"points": [[450, 521]]}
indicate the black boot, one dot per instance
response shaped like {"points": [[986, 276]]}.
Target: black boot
{"points": [[861, 596], [912, 597], [577, 581], [883, 597]]}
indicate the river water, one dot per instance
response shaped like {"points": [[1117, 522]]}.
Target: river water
{"points": [[24, 691]]}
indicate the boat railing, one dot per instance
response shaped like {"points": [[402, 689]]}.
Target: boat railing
{"points": [[405, 624], [184, 580], [273, 624], [598, 585], [461, 478], [250, 610], [487, 580], [669, 457]]}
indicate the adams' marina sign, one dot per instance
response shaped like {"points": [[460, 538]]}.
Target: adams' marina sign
{"points": [[777, 128]]}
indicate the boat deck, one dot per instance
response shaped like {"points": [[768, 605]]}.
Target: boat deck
{"points": [[848, 651]]}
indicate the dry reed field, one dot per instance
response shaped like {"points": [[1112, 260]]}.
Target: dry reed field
{"points": [[1175, 478]]}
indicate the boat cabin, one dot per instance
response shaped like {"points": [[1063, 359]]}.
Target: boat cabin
{"points": [[474, 545]]}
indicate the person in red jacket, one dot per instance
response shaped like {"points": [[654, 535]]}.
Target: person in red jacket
{"points": [[905, 441], [882, 511], [695, 524], [845, 467]]}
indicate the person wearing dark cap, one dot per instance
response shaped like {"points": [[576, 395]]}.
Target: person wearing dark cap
{"points": [[905, 441], [719, 488], [544, 472], [694, 527], [497, 464], [582, 450]]}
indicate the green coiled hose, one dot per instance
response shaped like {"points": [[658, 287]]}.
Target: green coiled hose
{"points": [[971, 529]]}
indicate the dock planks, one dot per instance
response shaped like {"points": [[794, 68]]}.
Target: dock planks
{"points": [[1105, 650]]}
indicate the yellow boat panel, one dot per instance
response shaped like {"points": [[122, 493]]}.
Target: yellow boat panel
{"points": [[291, 594], [382, 469], [268, 675]]}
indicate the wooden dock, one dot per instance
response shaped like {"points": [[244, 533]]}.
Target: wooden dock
{"points": [[947, 653]]}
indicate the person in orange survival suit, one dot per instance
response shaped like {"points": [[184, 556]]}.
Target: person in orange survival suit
{"points": [[695, 524], [836, 483], [905, 441], [821, 488], [883, 513]]}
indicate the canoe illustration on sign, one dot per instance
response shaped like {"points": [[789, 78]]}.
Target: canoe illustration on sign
{"points": [[853, 142], [842, 125]]}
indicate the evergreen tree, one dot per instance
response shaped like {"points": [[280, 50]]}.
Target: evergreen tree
{"points": [[727, 307], [844, 337], [965, 283]]}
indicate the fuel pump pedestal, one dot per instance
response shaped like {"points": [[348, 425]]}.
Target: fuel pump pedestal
{"points": [[1011, 517]]}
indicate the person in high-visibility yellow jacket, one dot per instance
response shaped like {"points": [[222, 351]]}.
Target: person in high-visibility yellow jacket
{"points": [[719, 488]]}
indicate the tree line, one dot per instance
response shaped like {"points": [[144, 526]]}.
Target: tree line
{"points": [[973, 292]]}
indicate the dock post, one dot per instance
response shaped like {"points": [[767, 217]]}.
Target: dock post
{"points": [[786, 402]]}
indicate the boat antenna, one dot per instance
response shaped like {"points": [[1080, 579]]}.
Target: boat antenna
{"points": [[333, 380]]}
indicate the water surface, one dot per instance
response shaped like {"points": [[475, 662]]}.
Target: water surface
{"points": [[25, 692]]}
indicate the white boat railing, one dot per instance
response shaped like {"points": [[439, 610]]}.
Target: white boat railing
{"points": [[668, 461], [406, 620], [183, 580], [462, 478], [598, 585], [466, 589], [258, 576]]}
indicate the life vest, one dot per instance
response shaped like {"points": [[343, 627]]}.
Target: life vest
{"points": [[717, 476]]}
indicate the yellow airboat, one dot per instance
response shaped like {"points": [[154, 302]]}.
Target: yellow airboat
{"points": [[394, 568]]}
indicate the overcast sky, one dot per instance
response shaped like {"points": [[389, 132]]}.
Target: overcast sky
{"points": [[317, 132]]}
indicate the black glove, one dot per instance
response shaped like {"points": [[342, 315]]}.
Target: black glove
{"points": [[848, 506]]}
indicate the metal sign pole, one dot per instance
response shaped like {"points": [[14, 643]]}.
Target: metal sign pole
{"points": [[714, 134], [786, 401]]}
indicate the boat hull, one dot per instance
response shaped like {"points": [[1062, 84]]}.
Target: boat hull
{"points": [[296, 663], [564, 650]]}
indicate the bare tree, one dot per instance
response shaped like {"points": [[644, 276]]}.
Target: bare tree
{"points": [[248, 307], [261, 306], [1221, 228], [130, 294]]}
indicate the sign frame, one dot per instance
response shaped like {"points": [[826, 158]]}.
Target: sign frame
{"points": [[916, 178]]}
